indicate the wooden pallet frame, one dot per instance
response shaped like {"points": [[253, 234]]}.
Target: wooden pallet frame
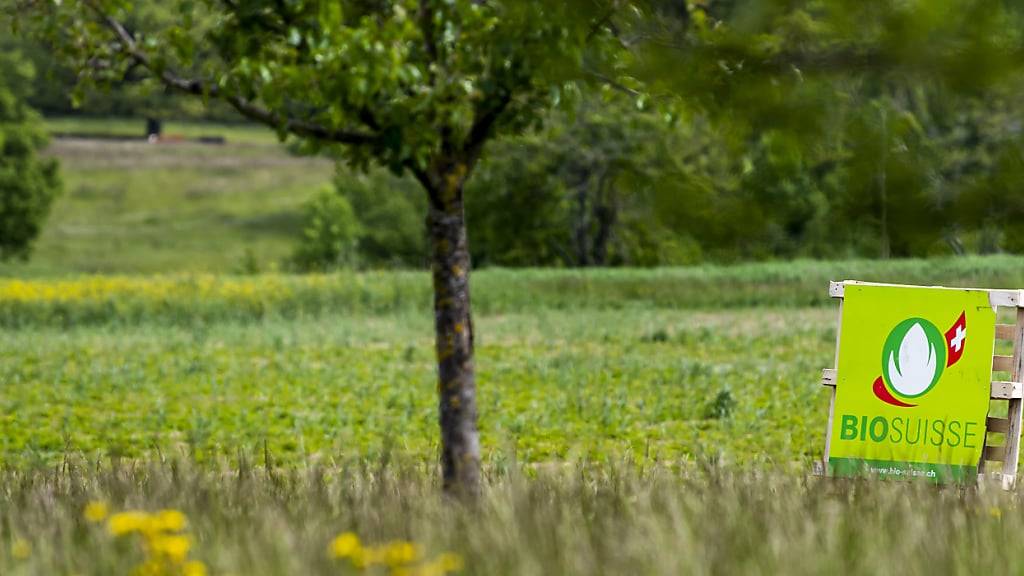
{"points": [[1012, 391]]}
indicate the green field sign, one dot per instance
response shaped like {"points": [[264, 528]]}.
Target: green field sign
{"points": [[912, 384]]}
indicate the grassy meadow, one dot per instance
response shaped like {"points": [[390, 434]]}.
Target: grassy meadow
{"points": [[134, 207], [162, 413]]}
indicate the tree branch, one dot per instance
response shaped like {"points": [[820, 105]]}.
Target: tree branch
{"points": [[426, 23], [129, 47], [598, 24], [483, 124]]}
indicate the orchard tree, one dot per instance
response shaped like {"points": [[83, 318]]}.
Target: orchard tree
{"points": [[417, 86]]}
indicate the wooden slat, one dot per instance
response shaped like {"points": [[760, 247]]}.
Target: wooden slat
{"points": [[1002, 363], [997, 425], [991, 477], [828, 377], [1016, 407], [818, 468], [1001, 298], [994, 453], [1005, 390], [1005, 298], [1005, 331], [832, 393]]}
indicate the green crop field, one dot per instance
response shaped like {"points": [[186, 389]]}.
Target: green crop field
{"points": [[162, 413], [557, 384]]}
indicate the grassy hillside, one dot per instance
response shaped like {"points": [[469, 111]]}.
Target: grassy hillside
{"points": [[134, 207]]}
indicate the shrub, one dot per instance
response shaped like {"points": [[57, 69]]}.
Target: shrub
{"points": [[28, 184], [329, 234], [391, 211]]}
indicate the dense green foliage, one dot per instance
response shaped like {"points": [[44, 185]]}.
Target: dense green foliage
{"points": [[28, 183], [609, 186], [57, 90], [914, 173]]}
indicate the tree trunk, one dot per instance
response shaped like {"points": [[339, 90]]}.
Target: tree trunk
{"points": [[154, 128], [453, 330], [606, 215], [581, 226]]}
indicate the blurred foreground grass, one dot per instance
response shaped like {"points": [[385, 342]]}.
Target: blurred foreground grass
{"points": [[583, 519]]}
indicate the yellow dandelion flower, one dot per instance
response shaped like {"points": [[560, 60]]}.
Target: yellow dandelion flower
{"points": [[345, 545], [194, 568], [96, 512], [168, 521], [995, 512], [21, 549], [127, 522], [399, 553], [174, 548]]}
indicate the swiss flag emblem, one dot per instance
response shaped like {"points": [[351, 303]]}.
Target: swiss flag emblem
{"points": [[956, 339]]}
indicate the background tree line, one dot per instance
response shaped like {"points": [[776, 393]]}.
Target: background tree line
{"points": [[893, 171], [850, 165]]}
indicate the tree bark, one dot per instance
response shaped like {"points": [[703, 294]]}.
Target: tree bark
{"points": [[581, 227], [606, 215], [453, 331], [154, 128]]}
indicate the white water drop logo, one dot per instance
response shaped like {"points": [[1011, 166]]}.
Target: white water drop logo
{"points": [[913, 357]]}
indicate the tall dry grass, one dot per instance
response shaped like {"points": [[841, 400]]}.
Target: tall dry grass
{"points": [[578, 519]]}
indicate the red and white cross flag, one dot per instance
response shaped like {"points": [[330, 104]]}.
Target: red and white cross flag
{"points": [[956, 339]]}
